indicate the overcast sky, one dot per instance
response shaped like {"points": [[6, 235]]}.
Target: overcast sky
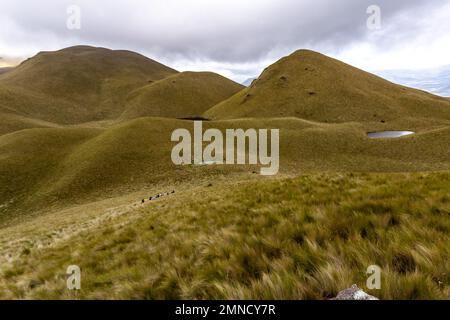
{"points": [[237, 38]]}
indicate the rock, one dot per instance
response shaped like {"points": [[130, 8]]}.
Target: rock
{"points": [[354, 293], [34, 284]]}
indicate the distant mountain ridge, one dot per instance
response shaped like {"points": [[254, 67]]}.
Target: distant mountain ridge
{"points": [[5, 69], [436, 81], [249, 81]]}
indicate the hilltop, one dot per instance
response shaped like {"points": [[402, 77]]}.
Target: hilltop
{"points": [[87, 84], [77, 84], [183, 95], [312, 86]]}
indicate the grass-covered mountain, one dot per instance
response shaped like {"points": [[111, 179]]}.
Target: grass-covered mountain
{"points": [[312, 86], [84, 84], [77, 84]]}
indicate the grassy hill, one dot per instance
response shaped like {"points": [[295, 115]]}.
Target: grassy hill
{"points": [[86, 84], [311, 86], [187, 94], [10, 122], [77, 84], [57, 167]]}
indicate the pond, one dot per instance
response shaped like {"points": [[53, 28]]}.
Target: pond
{"points": [[389, 134]]}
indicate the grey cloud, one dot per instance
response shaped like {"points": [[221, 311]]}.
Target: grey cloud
{"points": [[228, 31], [222, 31]]}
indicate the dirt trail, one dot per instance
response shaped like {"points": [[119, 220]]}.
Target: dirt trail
{"points": [[10, 250]]}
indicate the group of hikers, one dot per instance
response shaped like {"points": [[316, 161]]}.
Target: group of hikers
{"points": [[159, 195]]}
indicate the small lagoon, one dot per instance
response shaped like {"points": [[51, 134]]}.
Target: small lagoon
{"points": [[389, 134]]}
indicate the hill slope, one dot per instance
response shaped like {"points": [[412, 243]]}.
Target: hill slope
{"points": [[187, 94], [77, 84], [43, 168], [312, 86], [301, 238]]}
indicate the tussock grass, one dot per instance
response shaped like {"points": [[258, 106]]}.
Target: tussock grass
{"points": [[299, 238]]}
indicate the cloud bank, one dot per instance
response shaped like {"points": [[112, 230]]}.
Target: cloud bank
{"points": [[235, 38]]}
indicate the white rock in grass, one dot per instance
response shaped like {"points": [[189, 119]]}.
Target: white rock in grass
{"points": [[354, 293]]}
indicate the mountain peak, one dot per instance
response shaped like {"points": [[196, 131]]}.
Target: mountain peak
{"points": [[313, 86], [88, 83]]}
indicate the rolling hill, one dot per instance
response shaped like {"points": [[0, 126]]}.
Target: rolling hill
{"points": [[61, 167], [77, 84], [312, 86], [184, 95], [54, 164], [86, 84], [10, 122]]}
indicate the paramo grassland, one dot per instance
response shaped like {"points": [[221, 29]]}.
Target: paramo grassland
{"points": [[85, 135]]}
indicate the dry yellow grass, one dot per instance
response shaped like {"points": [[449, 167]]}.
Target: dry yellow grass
{"points": [[298, 238]]}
